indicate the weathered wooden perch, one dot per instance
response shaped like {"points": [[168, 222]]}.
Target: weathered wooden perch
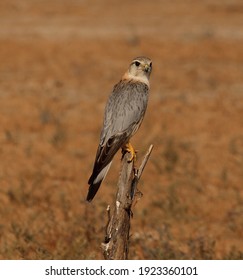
{"points": [[116, 243]]}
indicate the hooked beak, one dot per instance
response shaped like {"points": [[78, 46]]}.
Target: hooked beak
{"points": [[146, 68]]}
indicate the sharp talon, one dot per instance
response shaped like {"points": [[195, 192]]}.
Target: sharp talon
{"points": [[129, 148]]}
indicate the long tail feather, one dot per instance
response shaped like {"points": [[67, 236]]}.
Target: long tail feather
{"points": [[92, 191], [95, 182]]}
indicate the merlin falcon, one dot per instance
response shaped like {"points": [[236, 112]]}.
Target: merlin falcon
{"points": [[124, 113]]}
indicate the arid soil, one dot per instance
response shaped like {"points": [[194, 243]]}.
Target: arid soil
{"points": [[59, 60]]}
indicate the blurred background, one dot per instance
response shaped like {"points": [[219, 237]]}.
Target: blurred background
{"points": [[59, 60]]}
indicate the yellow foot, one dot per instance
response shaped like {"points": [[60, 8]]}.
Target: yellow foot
{"points": [[129, 148]]}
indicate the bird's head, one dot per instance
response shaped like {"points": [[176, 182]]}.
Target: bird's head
{"points": [[140, 67], [139, 70]]}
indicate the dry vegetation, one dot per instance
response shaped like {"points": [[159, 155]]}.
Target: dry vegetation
{"points": [[59, 60]]}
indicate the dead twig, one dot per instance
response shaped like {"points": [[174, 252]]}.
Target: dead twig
{"points": [[116, 242]]}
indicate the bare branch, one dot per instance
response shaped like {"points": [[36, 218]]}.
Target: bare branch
{"points": [[116, 243]]}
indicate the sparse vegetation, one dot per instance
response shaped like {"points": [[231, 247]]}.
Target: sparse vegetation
{"points": [[55, 78]]}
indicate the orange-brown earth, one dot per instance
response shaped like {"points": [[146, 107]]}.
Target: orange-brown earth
{"points": [[58, 62]]}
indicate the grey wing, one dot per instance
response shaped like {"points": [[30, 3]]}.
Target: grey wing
{"points": [[123, 115]]}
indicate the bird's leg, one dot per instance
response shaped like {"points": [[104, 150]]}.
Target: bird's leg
{"points": [[129, 148]]}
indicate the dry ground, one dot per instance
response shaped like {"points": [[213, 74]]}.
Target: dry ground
{"points": [[58, 62]]}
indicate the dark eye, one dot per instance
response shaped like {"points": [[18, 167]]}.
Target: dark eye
{"points": [[150, 64], [137, 63]]}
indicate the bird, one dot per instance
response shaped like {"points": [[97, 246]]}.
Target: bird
{"points": [[124, 113]]}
